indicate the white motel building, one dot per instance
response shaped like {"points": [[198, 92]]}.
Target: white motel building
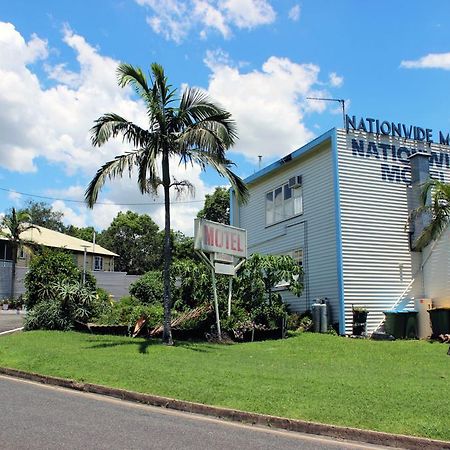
{"points": [[340, 206]]}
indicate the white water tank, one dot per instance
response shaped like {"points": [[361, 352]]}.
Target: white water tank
{"points": [[422, 305]]}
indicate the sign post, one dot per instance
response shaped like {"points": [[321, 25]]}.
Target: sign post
{"points": [[225, 245]]}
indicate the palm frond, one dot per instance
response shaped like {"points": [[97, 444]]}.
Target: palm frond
{"points": [[196, 107], [183, 186], [438, 209], [111, 125], [127, 74], [206, 139], [147, 171], [222, 166], [162, 90], [110, 170]]}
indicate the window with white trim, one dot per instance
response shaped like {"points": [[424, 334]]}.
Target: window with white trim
{"points": [[285, 201], [98, 263]]}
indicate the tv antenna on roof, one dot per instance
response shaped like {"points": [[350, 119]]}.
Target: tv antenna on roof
{"points": [[339, 100]]}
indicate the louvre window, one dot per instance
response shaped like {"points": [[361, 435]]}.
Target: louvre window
{"points": [[284, 202]]}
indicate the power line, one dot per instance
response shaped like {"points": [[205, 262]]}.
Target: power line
{"points": [[97, 203]]}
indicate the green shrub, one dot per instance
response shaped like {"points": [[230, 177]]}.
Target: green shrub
{"points": [[192, 283], [68, 302], [47, 315], [153, 314], [47, 268], [148, 289], [103, 296], [119, 313]]}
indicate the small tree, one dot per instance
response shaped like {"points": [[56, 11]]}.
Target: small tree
{"points": [[438, 210], [256, 285], [15, 223], [43, 214], [191, 128], [48, 268], [217, 206]]}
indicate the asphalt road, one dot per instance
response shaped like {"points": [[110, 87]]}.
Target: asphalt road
{"points": [[9, 320], [35, 416]]}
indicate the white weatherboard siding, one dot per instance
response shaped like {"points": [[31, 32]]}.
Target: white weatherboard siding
{"points": [[377, 263], [314, 231], [436, 271]]}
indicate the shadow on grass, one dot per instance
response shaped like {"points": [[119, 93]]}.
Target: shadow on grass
{"points": [[142, 344], [193, 346]]}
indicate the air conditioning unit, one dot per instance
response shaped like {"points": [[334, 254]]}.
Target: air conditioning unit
{"points": [[295, 182]]}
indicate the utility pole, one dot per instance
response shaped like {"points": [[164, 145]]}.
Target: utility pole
{"points": [[84, 263]]}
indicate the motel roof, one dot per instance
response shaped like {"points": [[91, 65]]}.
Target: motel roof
{"points": [[291, 156]]}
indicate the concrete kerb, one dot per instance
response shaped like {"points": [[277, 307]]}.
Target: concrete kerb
{"points": [[345, 433], [15, 330]]}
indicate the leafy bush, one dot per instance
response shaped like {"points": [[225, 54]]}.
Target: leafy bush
{"points": [[55, 296], [69, 302], [300, 322], [148, 289], [47, 315], [256, 287], [103, 296], [153, 314], [119, 313], [47, 268], [193, 285]]}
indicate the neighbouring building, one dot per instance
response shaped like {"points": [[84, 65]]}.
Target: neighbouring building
{"points": [[340, 206], [95, 259]]}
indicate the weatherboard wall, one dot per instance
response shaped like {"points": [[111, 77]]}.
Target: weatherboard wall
{"points": [[377, 264], [314, 231]]}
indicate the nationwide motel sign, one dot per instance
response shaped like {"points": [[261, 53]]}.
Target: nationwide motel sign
{"points": [[227, 250]]}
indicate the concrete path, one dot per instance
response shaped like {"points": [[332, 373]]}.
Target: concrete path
{"points": [[10, 320], [35, 416]]}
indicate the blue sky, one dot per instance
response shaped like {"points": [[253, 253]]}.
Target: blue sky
{"points": [[259, 58]]}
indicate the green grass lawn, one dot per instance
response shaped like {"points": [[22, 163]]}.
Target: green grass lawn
{"points": [[399, 387]]}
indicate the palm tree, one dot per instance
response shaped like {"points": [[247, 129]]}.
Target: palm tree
{"points": [[438, 210], [15, 223], [192, 128]]}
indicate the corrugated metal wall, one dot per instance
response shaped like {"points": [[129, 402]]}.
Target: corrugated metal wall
{"points": [[314, 230], [116, 283], [436, 267], [377, 263]]}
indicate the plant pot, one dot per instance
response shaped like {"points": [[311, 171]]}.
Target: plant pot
{"points": [[359, 322]]}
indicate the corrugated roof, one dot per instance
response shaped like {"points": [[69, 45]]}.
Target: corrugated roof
{"points": [[50, 238]]}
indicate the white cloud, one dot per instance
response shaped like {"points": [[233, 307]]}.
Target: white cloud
{"points": [[336, 80], [175, 19], [268, 105], [248, 13], [294, 13], [54, 123], [430, 61]]}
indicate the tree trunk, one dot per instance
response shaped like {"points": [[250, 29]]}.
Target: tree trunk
{"points": [[167, 333], [13, 269]]}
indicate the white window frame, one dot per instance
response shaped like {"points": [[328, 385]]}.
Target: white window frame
{"points": [[282, 203], [98, 267]]}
